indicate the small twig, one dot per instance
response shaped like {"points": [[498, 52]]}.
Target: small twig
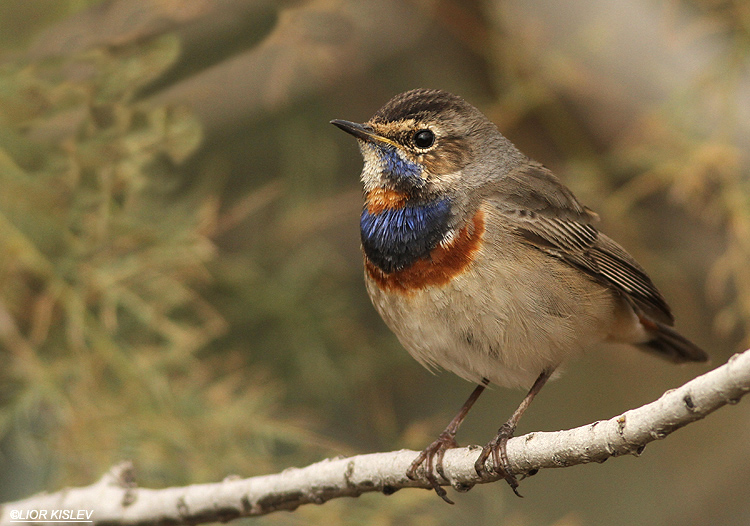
{"points": [[115, 500]]}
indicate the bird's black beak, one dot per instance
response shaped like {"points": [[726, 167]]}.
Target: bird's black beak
{"points": [[362, 132]]}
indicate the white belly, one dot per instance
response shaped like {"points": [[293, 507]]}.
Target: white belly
{"points": [[506, 323]]}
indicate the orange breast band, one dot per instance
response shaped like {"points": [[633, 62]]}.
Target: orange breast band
{"points": [[444, 262]]}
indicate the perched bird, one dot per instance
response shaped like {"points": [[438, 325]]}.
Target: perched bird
{"points": [[483, 263]]}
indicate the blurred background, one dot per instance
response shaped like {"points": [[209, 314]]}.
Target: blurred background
{"points": [[180, 272]]}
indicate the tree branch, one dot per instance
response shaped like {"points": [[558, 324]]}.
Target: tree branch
{"points": [[115, 499]]}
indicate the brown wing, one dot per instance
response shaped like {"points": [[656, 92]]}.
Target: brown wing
{"points": [[535, 189], [550, 218]]}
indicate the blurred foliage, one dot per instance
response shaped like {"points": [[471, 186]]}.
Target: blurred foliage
{"points": [[180, 277], [103, 254]]}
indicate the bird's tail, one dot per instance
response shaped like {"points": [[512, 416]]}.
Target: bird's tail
{"points": [[669, 344]]}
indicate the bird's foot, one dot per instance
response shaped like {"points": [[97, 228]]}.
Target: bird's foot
{"points": [[497, 448], [432, 456]]}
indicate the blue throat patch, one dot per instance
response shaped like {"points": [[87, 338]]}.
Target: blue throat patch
{"points": [[404, 174], [397, 237]]}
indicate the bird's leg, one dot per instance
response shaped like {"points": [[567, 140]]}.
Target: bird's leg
{"points": [[497, 446], [446, 440]]}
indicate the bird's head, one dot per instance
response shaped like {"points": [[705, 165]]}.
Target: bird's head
{"points": [[429, 156], [430, 144]]}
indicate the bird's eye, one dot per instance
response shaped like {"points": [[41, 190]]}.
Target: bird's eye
{"points": [[424, 139]]}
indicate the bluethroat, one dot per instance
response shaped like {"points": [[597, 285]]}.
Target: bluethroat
{"points": [[483, 263]]}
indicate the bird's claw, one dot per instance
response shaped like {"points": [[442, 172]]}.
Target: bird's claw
{"points": [[497, 448], [432, 456]]}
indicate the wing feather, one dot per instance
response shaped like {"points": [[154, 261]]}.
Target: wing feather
{"points": [[555, 222]]}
